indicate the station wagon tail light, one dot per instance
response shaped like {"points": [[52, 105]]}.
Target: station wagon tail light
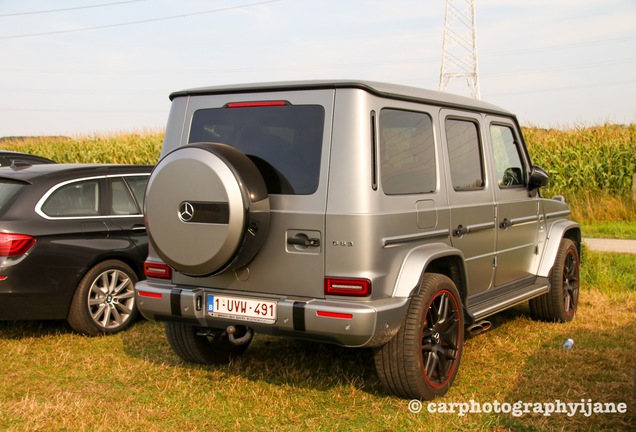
{"points": [[252, 104], [158, 270], [15, 244], [150, 294], [348, 287]]}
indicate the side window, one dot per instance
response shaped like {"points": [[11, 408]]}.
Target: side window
{"points": [[464, 151], [74, 200], [508, 163], [138, 187], [123, 202], [407, 152]]}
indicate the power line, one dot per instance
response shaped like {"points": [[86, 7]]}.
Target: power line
{"points": [[564, 68], [558, 47], [490, 95], [68, 9], [587, 65], [138, 22], [563, 88], [86, 111], [309, 67]]}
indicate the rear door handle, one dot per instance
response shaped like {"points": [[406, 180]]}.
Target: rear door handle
{"points": [[460, 231], [301, 240]]}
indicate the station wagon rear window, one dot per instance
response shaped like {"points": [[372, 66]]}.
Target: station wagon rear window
{"points": [[78, 199], [284, 141], [8, 189]]}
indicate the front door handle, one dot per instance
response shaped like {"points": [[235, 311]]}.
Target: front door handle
{"points": [[506, 223]]}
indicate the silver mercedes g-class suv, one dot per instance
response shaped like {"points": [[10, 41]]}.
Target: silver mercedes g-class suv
{"points": [[357, 213]]}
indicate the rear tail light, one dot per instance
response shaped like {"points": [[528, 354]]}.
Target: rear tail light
{"points": [[15, 244], [158, 270], [327, 314], [348, 287]]}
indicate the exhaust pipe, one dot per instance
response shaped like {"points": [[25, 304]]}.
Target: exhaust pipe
{"points": [[233, 332], [480, 327]]}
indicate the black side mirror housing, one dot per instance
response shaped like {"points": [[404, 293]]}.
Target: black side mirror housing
{"points": [[538, 178]]}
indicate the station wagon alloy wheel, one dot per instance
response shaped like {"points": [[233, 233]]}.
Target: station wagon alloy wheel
{"points": [[105, 299], [110, 299]]}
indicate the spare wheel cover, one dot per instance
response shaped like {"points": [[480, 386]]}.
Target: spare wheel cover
{"points": [[207, 209]]}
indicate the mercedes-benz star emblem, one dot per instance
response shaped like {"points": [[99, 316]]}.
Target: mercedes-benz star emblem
{"points": [[186, 211]]}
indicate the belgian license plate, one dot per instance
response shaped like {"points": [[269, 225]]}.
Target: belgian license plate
{"points": [[262, 311]]}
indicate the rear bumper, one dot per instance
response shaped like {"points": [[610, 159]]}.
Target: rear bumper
{"points": [[346, 323]]}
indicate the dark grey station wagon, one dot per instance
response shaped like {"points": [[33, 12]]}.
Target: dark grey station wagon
{"points": [[72, 243]]}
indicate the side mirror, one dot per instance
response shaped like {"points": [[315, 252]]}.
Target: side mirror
{"points": [[538, 178]]}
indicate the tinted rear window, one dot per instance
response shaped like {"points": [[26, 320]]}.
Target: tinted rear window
{"points": [[283, 141]]}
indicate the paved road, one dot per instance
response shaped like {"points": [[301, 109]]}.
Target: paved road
{"points": [[611, 245]]}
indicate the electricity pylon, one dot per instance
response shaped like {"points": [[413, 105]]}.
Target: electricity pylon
{"points": [[459, 45]]}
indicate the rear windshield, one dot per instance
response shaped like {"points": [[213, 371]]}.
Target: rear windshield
{"points": [[8, 189], [283, 141]]}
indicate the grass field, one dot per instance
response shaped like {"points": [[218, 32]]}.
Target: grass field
{"points": [[55, 380]]}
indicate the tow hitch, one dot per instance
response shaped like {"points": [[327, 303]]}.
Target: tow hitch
{"points": [[239, 335]]}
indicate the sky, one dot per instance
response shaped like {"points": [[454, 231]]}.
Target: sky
{"points": [[93, 67]]}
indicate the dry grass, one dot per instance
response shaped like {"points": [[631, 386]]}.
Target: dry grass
{"points": [[594, 208], [55, 380]]}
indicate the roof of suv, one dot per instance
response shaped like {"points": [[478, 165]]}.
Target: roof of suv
{"points": [[393, 91]]}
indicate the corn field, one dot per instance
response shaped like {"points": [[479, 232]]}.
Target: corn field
{"points": [[594, 160], [592, 167], [131, 148]]}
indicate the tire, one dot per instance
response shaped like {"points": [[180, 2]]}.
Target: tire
{"points": [[104, 301], [559, 304], [207, 209], [193, 347], [409, 365]]}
